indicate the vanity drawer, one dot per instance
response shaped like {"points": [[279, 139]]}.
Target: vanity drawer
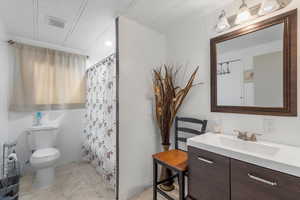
{"points": [[209, 175], [251, 182]]}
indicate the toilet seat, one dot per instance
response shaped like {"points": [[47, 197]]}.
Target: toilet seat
{"points": [[44, 155]]}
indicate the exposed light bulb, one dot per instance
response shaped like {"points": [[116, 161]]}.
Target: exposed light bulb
{"points": [[268, 6], [243, 14], [223, 23], [108, 43]]}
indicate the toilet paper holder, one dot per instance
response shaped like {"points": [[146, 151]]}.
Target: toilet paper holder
{"points": [[9, 181]]}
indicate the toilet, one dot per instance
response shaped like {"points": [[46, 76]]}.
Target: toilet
{"points": [[45, 156]]}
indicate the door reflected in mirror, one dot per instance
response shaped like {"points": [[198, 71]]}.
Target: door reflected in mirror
{"points": [[250, 69]]}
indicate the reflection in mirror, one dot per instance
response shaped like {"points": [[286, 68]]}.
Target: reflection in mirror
{"points": [[252, 66]]}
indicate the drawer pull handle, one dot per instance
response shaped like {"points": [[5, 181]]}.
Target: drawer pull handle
{"points": [[205, 160], [262, 180]]}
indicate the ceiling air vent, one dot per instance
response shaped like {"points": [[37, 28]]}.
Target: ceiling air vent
{"points": [[56, 22]]}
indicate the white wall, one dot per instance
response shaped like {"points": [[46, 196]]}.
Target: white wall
{"points": [[47, 45], [3, 89], [99, 50], [268, 93], [141, 49], [188, 42]]}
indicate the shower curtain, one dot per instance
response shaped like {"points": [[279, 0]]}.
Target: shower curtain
{"points": [[100, 120]]}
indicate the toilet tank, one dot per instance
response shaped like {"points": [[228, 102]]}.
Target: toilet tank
{"points": [[44, 136]]}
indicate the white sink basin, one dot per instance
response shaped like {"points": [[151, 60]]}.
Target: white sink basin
{"points": [[249, 146]]}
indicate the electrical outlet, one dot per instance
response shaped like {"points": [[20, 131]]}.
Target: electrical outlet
{"points": [[269, 125]]}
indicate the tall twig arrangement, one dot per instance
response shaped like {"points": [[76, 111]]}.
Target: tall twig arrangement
{"points": [[168, 97]]}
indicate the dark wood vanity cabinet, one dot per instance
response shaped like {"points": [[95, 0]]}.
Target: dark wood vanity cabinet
{"points": [[209, 175], [216, 177], [251, 182]]}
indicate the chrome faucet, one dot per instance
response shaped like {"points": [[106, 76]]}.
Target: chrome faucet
{"points": [[244, 136]]}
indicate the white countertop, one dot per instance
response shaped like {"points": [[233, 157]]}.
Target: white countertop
{"points": [[277, 157]]}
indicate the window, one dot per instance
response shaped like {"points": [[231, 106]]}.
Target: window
{"points": [[46, 79]]}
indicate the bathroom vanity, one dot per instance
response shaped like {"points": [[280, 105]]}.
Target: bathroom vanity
{"points": [[223, 167], [244, 80]]}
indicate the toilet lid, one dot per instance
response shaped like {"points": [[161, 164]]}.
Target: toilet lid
{"points": [[44, 153]]}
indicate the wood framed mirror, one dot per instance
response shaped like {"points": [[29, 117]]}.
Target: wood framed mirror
{"points": [[254, 69]]}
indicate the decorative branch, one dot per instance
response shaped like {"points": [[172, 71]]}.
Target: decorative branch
{"points": [[168, 98]]}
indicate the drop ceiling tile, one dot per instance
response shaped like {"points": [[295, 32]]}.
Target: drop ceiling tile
{"points": [[88, 32], [98, 16], [96, 9], [18, 17], [65, 10]]}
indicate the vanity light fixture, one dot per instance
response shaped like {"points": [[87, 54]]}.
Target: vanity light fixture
{"points": [[268, 6], [246, 13], [243, 14], [223, 23]]}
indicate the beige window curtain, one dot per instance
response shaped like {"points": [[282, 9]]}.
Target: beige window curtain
{"points": [[46, 79]]}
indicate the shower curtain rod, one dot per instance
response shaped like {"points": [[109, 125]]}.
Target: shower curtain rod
{"points": [[11, 42], [101, 61]]}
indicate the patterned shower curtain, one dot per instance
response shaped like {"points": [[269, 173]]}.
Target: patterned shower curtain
{"points": [[100, 120]]}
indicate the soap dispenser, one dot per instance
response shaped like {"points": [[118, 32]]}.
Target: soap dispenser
{"points": [[37, 118]]}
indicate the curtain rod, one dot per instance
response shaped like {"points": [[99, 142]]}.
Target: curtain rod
{"points": [[101, 62], [11, 42], [229, 61]]}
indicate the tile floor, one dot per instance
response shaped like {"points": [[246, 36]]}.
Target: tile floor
{"points": [[148, 195], [75, 181]]}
